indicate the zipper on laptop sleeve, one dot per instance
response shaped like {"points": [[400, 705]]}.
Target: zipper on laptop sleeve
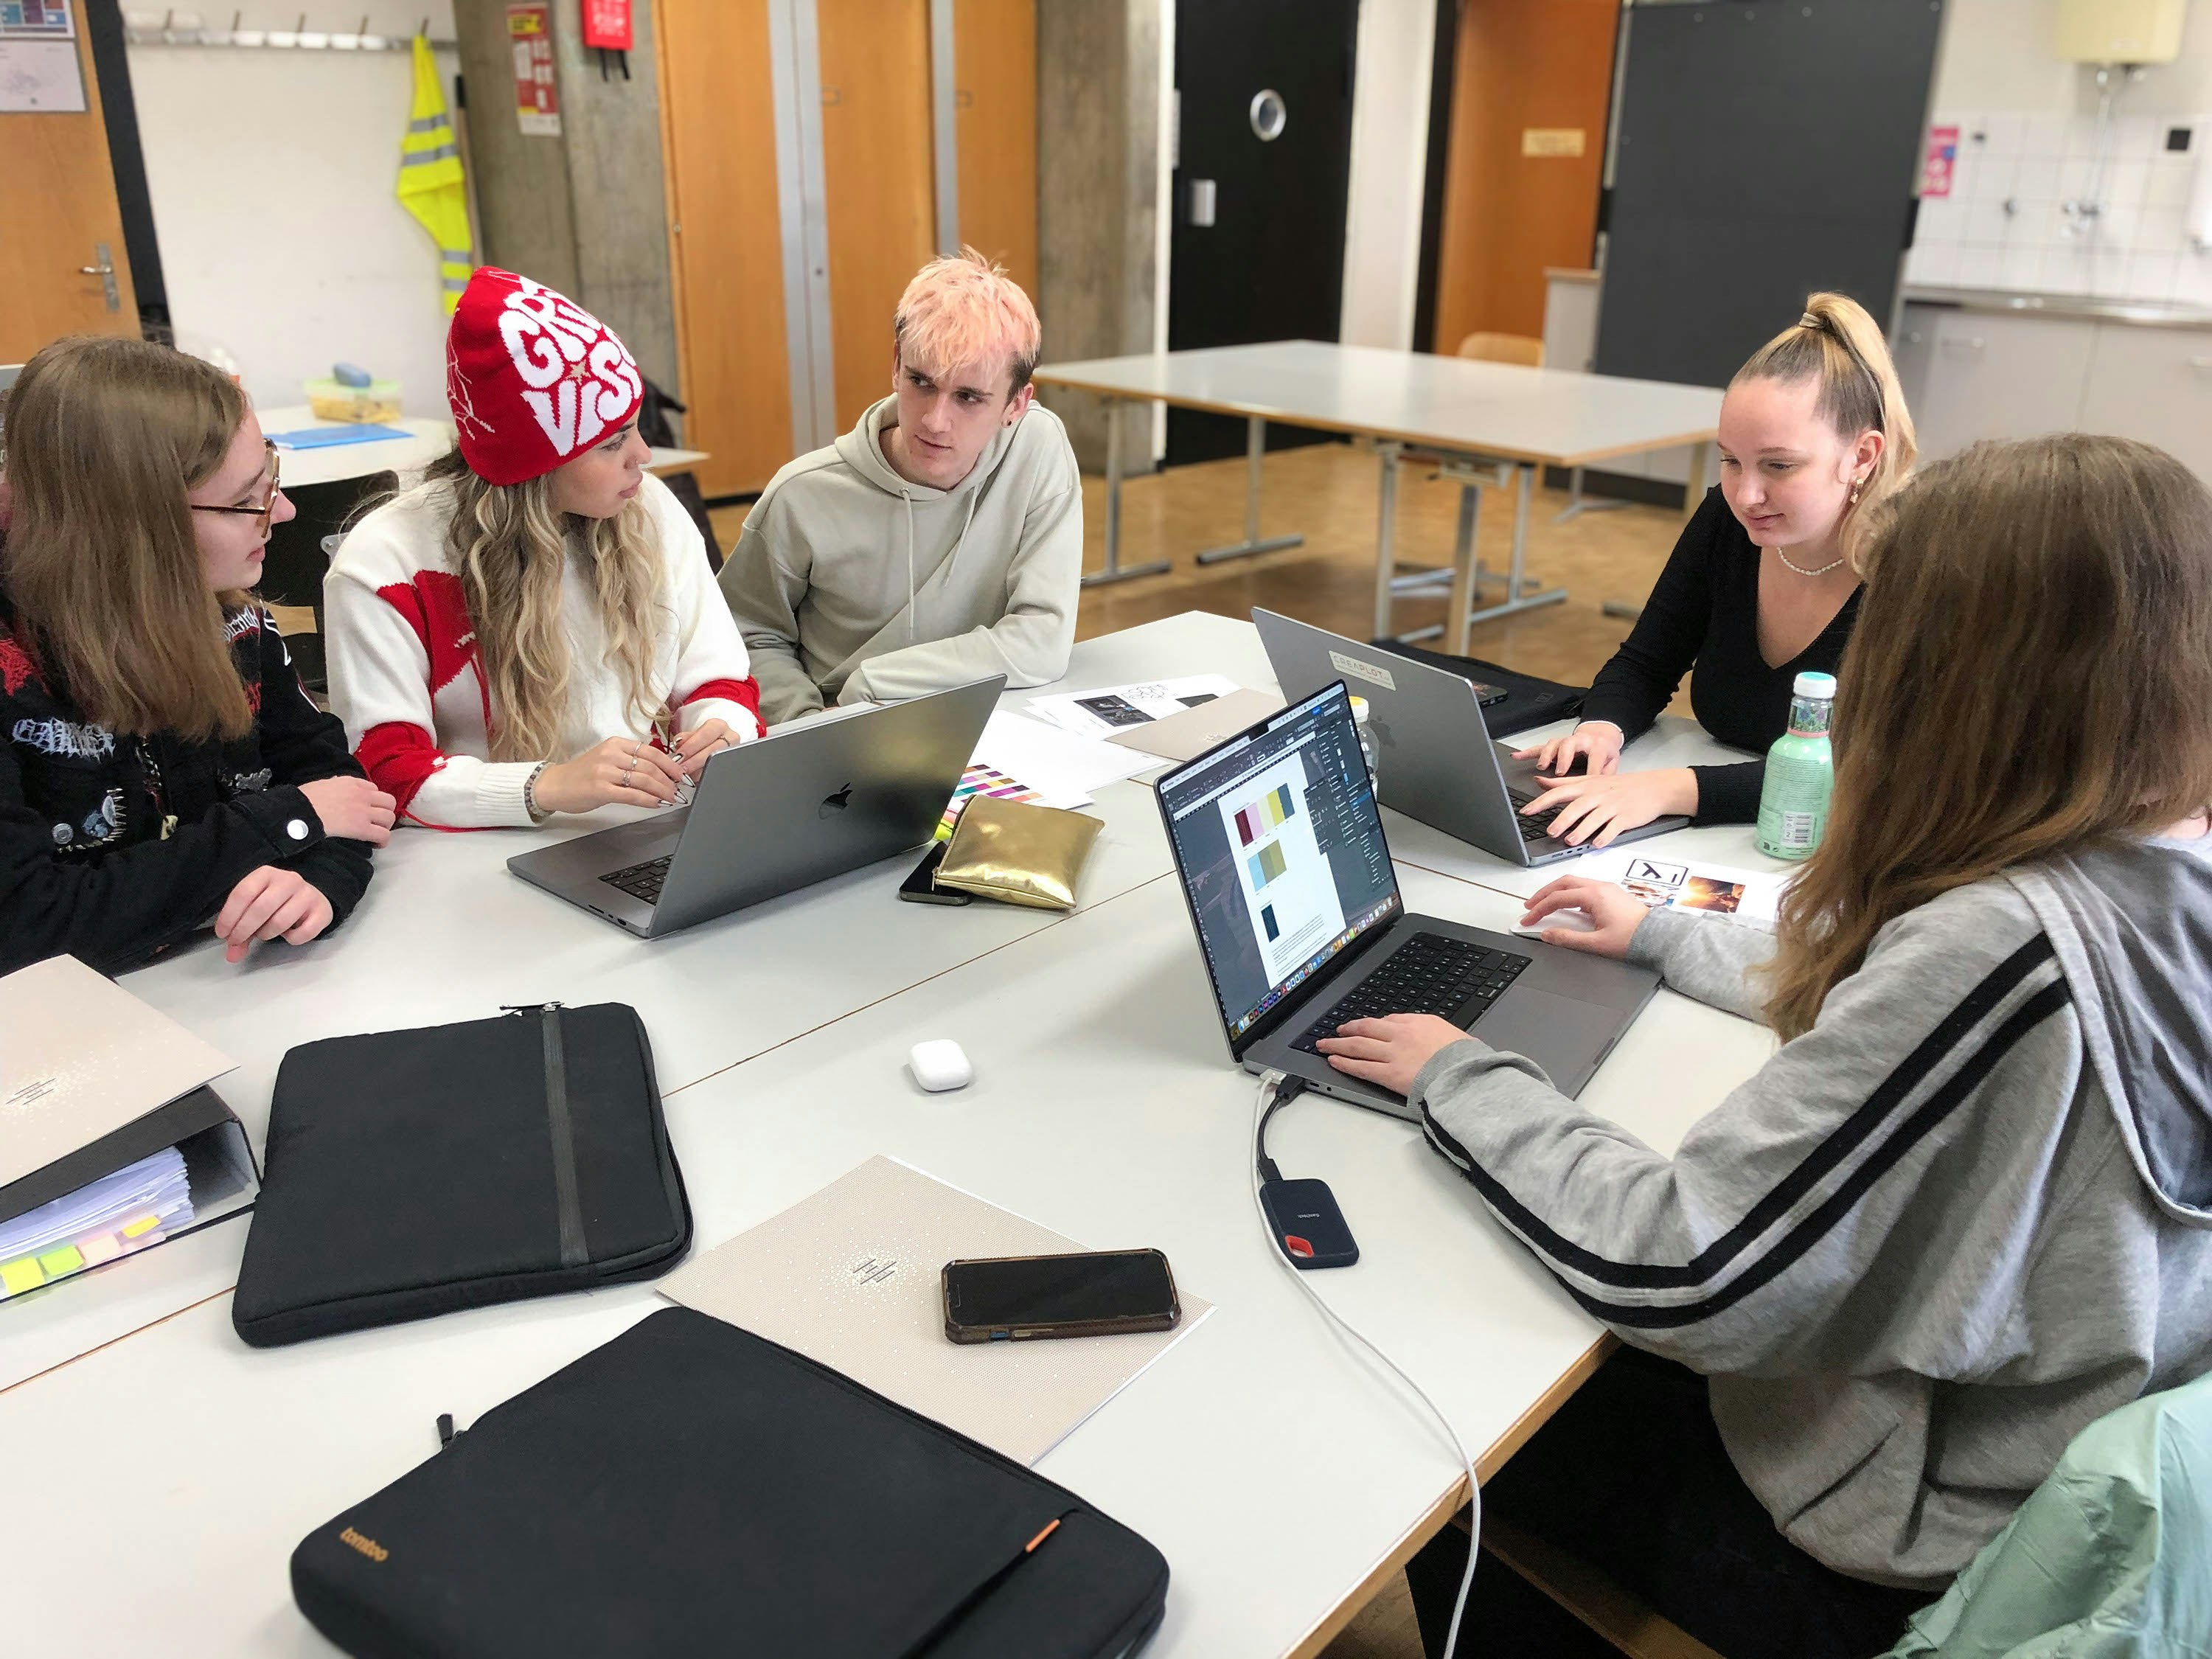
{"points": [[562, 1128]]}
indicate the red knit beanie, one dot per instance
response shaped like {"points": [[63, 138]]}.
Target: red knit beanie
{"points": [[534, 380]]}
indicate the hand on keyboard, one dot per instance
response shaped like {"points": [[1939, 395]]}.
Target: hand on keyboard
{"points": [[1392, 1050]]}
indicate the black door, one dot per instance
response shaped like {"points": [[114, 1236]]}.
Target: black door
{"points": [[1765, 150], [1265, 152]]}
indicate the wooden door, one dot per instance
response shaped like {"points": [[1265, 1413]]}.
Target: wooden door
{"points": [[1530, 87], [58, 211], [875, 175], [718, 135], [994, 68]]}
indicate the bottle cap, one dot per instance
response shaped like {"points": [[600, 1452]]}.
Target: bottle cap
{"points": [[1358, 709], [1807, 685]]}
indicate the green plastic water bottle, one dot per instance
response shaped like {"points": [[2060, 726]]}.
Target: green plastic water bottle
{"points": [[1800, 771]]}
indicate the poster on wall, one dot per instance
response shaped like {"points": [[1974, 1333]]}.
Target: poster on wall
{"points": [[536, 100], [1941, 162], [37, 20]]}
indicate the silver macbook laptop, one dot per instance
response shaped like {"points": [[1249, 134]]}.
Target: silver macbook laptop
{"points": [[794, 807], [1438, 764], [1279, 845]]}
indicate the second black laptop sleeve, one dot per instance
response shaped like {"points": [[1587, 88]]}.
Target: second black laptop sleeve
{"points": [[413, 1173], [691, 1488], [1529, 701]]}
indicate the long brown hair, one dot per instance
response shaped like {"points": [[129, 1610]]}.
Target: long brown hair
{"points": [[510, 546], [1837, 344], [105, 440], [2031, 674]]}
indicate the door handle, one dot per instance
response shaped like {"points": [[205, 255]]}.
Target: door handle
{"points": [[2201, 364], [106, 272], [1956, 344], [1201, 202]]}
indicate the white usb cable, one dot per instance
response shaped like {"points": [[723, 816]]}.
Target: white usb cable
{"points": [[1269, 1082]]}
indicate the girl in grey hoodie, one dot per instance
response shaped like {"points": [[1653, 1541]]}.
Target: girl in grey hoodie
{"points": [[1966, 1208]]}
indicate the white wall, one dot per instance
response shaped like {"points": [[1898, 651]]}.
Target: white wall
{"points": [[271, 173], [2029, 145], [1389, 155]]}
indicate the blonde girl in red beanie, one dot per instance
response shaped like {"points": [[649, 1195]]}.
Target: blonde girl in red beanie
{"points": [[535, 628]]}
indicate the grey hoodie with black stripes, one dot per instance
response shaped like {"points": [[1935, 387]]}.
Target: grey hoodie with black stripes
{"points": [[1967, 1213]]}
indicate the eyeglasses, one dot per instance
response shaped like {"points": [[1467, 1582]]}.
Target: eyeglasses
{"points": [[261, 512]]}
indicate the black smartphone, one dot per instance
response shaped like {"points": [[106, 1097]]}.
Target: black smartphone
{"points": [[1486, 693], [1021, 1298], [921, 888]]}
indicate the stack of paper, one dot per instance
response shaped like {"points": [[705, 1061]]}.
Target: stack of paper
{"points": [[1709, 889], [1019, 759], [138, 1206]]}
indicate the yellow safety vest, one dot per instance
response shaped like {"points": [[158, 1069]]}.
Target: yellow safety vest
{"points": [[431, 186]]}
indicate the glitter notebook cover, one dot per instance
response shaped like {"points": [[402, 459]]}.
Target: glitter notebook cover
{"points": [[850, 1278]]}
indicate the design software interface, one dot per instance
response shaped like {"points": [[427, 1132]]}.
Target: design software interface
{"points": [[1282, 854]]}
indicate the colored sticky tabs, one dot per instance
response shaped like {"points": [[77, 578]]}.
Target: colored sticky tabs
{"points": [[60, 1262], [20, 1275], [100, 1247], [139, 1225]]}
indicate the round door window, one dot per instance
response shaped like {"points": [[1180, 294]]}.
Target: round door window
{"points": [[1268, 114]]}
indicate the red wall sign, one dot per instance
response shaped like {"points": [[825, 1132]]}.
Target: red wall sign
{"points": [[537, 98], [1941, 162]]}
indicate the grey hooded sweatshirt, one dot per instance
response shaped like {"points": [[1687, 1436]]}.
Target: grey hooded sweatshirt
{"points": [[851, 583], [1967, 1214]]}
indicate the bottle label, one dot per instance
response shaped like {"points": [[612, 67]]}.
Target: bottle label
{"points": [[1797, 830]]}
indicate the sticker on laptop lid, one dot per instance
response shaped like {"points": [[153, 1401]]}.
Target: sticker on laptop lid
{"points": [[1363, 670]]}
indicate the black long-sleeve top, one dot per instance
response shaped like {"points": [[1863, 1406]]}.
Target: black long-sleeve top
{"points": [[1704, 614], [84, 868]]}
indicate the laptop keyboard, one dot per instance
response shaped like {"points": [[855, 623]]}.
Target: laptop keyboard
{"points": [[641, 880], [1531, 828], [1427, 974]]}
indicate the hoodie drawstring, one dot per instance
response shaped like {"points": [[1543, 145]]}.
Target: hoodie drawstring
{"points": [[950, 559]]}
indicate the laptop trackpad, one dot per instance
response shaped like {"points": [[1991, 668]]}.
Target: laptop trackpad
{"points": [[1565, 1035]]}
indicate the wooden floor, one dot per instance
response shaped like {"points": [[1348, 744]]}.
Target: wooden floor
{"points": [[1327, 493]]}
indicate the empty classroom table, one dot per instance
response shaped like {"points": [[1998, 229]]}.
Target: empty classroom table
{"points": [[1473, 414]]}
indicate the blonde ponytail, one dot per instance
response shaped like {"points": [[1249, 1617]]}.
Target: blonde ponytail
{"points": [[1837, 343]]}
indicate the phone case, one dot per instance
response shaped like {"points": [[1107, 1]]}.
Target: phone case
{"points": [[1038, 1331]]}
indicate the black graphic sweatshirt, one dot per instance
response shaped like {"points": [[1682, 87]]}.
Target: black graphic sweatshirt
{"points": [[84, 868]]}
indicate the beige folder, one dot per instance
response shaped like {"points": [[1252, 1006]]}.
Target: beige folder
{"points": [[850, 1278], [1191, 733], [80, 1057]]}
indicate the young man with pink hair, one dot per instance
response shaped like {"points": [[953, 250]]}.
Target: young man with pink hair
{"points": [[938, 541]]}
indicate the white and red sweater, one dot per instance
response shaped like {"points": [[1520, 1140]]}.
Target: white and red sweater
{"points": [[405, 679]]}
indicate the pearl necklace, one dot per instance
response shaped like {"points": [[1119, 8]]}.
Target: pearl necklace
{"points": [[1800, 569]]}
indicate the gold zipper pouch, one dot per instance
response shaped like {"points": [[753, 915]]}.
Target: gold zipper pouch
{"points": [[1018, 854]]}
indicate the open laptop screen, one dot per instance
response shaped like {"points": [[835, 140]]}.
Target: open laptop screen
{"points": [[1281, 852]]}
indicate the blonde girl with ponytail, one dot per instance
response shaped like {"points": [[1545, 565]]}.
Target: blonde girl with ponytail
{"points": [[1763, 586]]}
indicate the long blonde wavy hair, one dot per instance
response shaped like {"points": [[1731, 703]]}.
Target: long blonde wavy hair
{"points": [[1837, 344], [2031, 674], [510, 545], [106, 439]]}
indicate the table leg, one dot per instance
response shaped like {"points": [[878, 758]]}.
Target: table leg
{"points": [[1255, 449], [1577, 503], [1693, 492], [1112, 570], [1462, 598], [1518, 597], [1386, 525]]}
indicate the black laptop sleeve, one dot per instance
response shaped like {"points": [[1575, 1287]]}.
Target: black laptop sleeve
{"points": [[1529, 702], [692, 1489], [412, 1173]]}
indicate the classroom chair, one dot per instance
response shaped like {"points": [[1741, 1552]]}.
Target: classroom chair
{"points": [[299, 553]]}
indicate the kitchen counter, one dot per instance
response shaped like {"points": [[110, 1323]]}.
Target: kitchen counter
{"points": [[2072, 307]]}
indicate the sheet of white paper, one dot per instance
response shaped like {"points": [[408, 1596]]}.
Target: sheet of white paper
{"points": [[40, 77], [1112, 708], [1054, 760]]}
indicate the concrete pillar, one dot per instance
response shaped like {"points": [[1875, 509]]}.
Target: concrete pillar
{"points": [[1098, 81], [585, 212]]}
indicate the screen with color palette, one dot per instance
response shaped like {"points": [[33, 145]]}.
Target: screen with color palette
{"points": [[1269, 812]]}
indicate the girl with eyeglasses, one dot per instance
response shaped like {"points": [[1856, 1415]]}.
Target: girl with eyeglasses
{"points": [[162, 770]]}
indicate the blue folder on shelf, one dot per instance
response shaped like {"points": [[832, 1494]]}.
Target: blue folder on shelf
{"points": [[330, 437]]}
